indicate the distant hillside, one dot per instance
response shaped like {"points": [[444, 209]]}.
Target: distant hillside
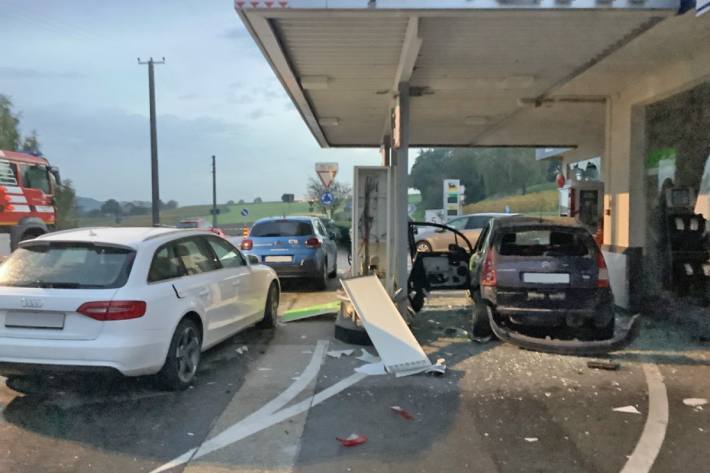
{"points": [[87, 204], [545, 202], [230, 214]]}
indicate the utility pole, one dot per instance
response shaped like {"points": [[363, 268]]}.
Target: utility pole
{"points": [[153, 140], [214, 193]]}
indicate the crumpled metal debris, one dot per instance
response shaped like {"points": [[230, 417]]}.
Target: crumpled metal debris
{"points": [[352, 440], [403, 413]]}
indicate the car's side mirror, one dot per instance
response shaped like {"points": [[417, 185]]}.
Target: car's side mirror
{"points": [[253, 259], [332, 235]]}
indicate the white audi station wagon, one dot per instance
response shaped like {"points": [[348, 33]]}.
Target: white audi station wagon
{"points": [[138, 301]]}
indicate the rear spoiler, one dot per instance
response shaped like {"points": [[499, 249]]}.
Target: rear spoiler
{"points": [[623, 337]]}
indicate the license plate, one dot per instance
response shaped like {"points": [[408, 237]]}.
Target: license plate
{"points": [[278, 259], [20, 319], [546, 278]]}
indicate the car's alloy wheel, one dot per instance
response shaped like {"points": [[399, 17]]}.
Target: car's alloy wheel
{"points": [[188, 354], [183, 356], [423, 247]]}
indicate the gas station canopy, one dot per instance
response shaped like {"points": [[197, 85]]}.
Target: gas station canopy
{"points": [[480, 72]]}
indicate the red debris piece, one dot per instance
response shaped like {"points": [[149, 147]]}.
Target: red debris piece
{"points": [[352, 441], [402, 413]]}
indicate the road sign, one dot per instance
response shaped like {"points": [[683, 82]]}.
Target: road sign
{"points": [[326, 172], [244, 212], [452, 200], [326, 198]]}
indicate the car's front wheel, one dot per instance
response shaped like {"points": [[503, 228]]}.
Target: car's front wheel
{"points": [[180, 366]]}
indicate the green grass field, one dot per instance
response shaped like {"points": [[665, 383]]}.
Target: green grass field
{"points": [[545, 202], [231, 214]]}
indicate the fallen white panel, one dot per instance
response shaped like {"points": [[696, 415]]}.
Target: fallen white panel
{"points": [[627, 410], [372, 369], [397, 347]]}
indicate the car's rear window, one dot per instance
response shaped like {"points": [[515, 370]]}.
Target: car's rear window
{"points": [[67, 266], [277, 228], [543, 242]]}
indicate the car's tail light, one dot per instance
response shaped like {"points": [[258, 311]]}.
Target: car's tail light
{"points": [[247, 244], [603, 278], [313, 242], [488, 274], [113, 310]]}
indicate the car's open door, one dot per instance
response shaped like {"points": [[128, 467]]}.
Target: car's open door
{"points": [[437, 270]]}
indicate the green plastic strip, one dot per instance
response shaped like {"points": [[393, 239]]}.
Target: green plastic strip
{"points": [[313, 311]]}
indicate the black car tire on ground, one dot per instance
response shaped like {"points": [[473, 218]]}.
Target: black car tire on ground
{"points": [[480, 321], [334, 273], [347, 332], [271, 308], [169, 375]]}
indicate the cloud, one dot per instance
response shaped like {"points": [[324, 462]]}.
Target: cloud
{"points": [[106, 152], [191, 96], [22, 73]]}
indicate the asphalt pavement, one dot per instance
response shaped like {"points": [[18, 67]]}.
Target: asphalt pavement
{"points": [[279, 405]]}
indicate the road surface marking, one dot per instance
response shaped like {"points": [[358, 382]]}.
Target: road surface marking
{"points": [[654, 432], [269, 414]]}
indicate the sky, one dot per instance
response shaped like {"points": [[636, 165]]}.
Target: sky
{"points": [[70, 67]]}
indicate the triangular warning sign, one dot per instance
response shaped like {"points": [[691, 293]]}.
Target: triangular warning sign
{"points": [[327, 177]]}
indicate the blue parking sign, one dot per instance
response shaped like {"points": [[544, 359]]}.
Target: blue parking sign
{"points": [[326, 198]]}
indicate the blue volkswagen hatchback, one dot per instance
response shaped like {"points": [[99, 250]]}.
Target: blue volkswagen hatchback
{"points": [[295, 247]]}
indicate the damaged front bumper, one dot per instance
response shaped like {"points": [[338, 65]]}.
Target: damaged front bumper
{"points": [[623, 336]]}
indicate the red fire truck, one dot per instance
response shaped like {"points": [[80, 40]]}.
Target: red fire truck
{"points": [[27, 187]]}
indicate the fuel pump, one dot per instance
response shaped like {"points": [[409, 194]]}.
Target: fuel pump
{"points": [[582, 200]]}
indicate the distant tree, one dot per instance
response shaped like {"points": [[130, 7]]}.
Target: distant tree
{"points": [[230, 202], [171, 204], [30, 144], [241, 201], [111, 207], [9, 125], [94, 213], [258, 200], [341, 193], [139, 210], [553, 169], [65, 202]]}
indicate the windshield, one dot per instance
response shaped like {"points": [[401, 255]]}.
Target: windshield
{"points": [[67, 265], [282, 228], [543, 242], [458, 223]]}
